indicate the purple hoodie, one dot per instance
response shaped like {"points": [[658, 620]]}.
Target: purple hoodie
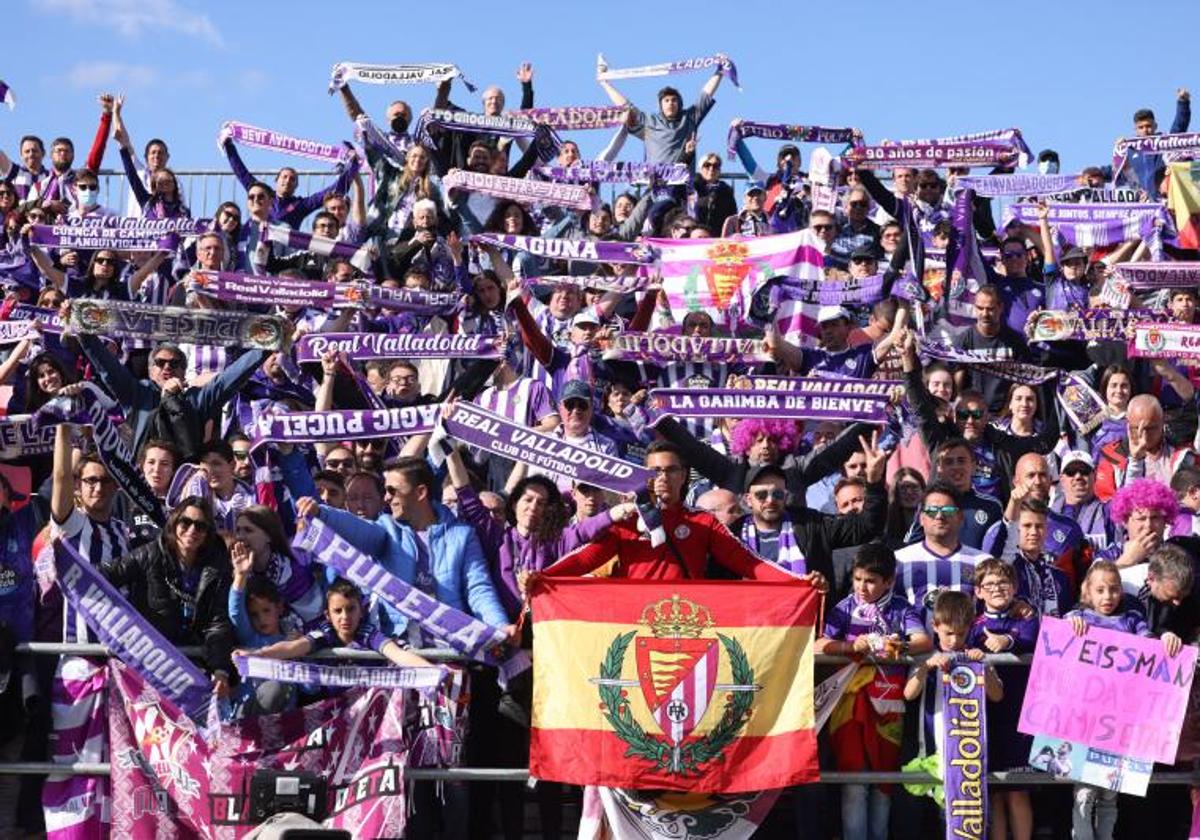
{"points": [[508, 552]]}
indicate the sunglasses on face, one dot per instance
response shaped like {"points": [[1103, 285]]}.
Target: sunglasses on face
{"points": [[775, 495], [576, 405], [1071, 472], [708, 164], [186, 523], [939, 511], [970, 413], [166, 364], [819, 228], [105, 261]]}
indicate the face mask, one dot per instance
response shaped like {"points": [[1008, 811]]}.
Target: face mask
{"points": [[87, 198], [399, 125], [1048, 167]]}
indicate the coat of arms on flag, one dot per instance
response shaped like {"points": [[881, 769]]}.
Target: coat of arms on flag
{"points": [[698, 686]]}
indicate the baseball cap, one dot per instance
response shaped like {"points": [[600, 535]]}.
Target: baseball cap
{"points": [[831, 313], [867, 251], [585, 316], [754, 186], [1073, 254], [1077, 456], [576, 389], [757, 474]]}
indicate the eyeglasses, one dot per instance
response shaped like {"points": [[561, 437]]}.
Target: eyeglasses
{"points": [[1071, 472], [186, 523], [775, 495], [87, 186], [673, 469], [939, 511], [402, 380], [708, 164], [170, 362], [94, 481], [861, 260], [339, 463], [577, 405], [819, 228], [972, 413], [995, 585], [104, 261]]}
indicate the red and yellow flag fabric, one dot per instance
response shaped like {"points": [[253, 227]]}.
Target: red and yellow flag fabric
{"points": [[1183, 200], [682, 685]]}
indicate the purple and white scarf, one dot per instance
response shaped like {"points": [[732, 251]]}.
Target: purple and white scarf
{"points": [[931, 155], [665, 349], [994, 186], [862, 291], [995, 363], [464, 633], [669, 68], [1011, 136], [176, 324], [1174, 146], [616, 172], [1083, 406], [1086, 324], [118, 233], [236, 287], [819, 399], [625, 284], [6, 96], [21, 437], [791, 556], [343, 424], [881, 388], [503, 125], [783, 131], [1160, 275], [962, 703], [393, 74], [275, 141], [362, 346], [576, 117], [13, 332], [358, 256], [521, 190], [418, 301], [1156, 340], [590, 250], [339, 676]]}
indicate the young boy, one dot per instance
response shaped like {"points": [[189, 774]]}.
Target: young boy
{"points": [[953, 615], [997, 629], [866, 724]]}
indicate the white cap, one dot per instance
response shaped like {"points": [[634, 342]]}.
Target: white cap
{"points": [[585, 316], [1077, 456], [831, 313]]}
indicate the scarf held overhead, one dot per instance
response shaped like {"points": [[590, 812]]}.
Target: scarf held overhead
{"points": [[274, 141], [669, 68], [176, 324], [393, 74]]}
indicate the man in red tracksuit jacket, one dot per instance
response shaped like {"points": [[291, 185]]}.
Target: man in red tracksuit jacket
{"points": [[693, 536]]}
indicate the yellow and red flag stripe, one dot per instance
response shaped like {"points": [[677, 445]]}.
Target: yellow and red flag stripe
{"points": [[683, 685]]}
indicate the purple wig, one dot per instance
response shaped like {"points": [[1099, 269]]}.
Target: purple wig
{"points": [[1143, 493], [783, 432]]}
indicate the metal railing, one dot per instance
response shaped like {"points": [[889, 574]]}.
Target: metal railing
{"points": [[495, 774]]}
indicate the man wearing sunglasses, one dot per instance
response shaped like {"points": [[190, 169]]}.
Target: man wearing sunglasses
{"points": [[1076, 498], [857, 231], [954, 465], [939, 561], [799, 538]]}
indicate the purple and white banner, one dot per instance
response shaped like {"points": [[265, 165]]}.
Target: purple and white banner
{"points": [[118, 233], [362, 346], [576, 117], [622, 285], [1099, 225], [881, 388], [177, 324], [932, 155], [1160, 275], [669, 68], [964, 750], [665, 348], [616, 172], [20, 437], [591, 250], [130, 637], [994, 186], [236, 287], [1157, 340], [418, 301], [393, 74], [340, 676], [856, 291], [170, 781], [13, 332], [739, 129], [521, 190], [1178, 146], [1086, 324], [344, 424], [818, 399], [358, 256], [1011, 136], [466, 634], [6, 96], [274, 141], [492, 433]]}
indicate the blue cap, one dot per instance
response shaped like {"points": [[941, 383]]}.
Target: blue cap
{"points": [[576, 389]]}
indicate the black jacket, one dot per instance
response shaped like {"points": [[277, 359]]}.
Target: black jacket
{"points": [[152, 579], [818, 534]]}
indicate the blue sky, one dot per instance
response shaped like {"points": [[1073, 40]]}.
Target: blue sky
{"points": [[1068, 74]]}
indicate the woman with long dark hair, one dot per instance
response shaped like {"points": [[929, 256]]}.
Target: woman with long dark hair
{"points": [[259, 532]]}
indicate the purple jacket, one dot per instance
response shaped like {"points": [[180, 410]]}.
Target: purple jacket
{"points": [[508, 552]]}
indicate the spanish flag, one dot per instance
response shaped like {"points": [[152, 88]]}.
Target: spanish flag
{"points": [[1183, 200], [681, 685]]}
